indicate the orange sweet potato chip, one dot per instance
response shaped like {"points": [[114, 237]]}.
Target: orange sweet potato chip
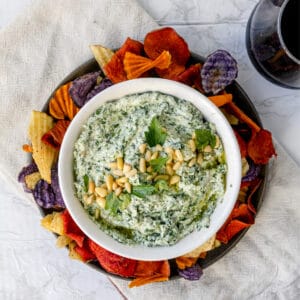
{"points": [[242, 144], [136, 65], [234, 227], [190, 76], [185, 262], [27, 148], [146, 280], [61, 105], [55, 135], [114, 69], [260, 147]]}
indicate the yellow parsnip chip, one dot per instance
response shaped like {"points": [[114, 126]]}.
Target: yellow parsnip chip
{"points": [[208, 245], [102, 55], [63, 241], [32, 179], [54, 223], [43, 155]]}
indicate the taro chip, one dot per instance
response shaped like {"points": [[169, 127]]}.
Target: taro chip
{"points": [[31, 168], [218, 71], [54, 223], [32, 179], [113, 263], [43, 155], [105, 83], [44, 195], [191, 273], [102, 55], [54, 137], [82, 86]]}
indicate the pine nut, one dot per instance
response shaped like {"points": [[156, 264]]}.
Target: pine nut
{"points": [[169, 170], [142, 166], [114, 186], [142, 148], [109, 182], [217, 142], [122, 180], [192, 162], [101, 202], [103, 185], [150, 169], [174, 179], [170, 159], [192, 145], [169, 150], [161, 177], [194, 135], [176, 166], [113, 165], [200, 159], [154, 155], [97, 213], [118, 191], [128, 187], [101, 192], [126, 168], [178, 155], [148, 155], [117, 172], [150, 177], [158, 147], [207, 149], [120, 163], [91, 188], [131, 173], [90, 199]]}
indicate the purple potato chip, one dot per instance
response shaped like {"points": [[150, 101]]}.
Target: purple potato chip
{"points": [[191, 273], [31, 168], [253, 172], [56, 188], [82, 86], [218, 71], [44, 195], [105, 83]]}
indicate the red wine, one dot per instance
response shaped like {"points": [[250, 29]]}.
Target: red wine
{"points": [[290, 27]]}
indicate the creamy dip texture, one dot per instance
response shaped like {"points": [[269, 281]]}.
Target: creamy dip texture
{"points": [[142, 193]]}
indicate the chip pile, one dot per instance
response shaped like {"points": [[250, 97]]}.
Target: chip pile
{"points": [[163, 54]]}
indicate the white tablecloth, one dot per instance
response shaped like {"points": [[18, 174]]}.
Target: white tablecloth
{"points": [[49, 40]]}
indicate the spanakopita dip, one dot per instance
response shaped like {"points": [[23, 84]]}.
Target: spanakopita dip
{"points": [[149, 169]]}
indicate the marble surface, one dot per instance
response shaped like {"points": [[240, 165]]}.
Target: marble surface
{"points": [[206, 26]]}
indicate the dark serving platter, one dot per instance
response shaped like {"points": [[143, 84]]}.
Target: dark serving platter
{"points": [[243, 102]]}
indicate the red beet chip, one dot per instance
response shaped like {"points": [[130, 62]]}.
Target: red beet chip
{"points": [[260, 147], [72, 230], [85, 251], [113, 263]]}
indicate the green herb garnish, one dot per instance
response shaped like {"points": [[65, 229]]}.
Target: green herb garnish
{"points": [[158, 163], [143, 190], [155, 134], [204, 137], [162, 185], [115, 203], [86, 183]]}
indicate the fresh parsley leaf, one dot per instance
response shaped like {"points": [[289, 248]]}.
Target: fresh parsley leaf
{"points": [[143, 190], [158, 163], [155, 134], [125, 200], [86, 183], [162, 185], [112, 203], [204, 137]]}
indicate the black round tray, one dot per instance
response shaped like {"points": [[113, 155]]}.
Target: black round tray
{"points": [[243, 102]]}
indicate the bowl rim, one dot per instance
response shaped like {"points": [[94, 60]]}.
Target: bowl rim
{"points": [[210, 112]]}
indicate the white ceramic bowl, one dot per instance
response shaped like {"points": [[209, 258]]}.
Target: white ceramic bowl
{"points": [[223, 208]]}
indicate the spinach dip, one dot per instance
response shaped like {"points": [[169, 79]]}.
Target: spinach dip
{"points": [[149, 169]]}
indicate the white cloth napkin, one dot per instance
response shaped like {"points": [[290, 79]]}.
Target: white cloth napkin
{"points": [[51, 39]]}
